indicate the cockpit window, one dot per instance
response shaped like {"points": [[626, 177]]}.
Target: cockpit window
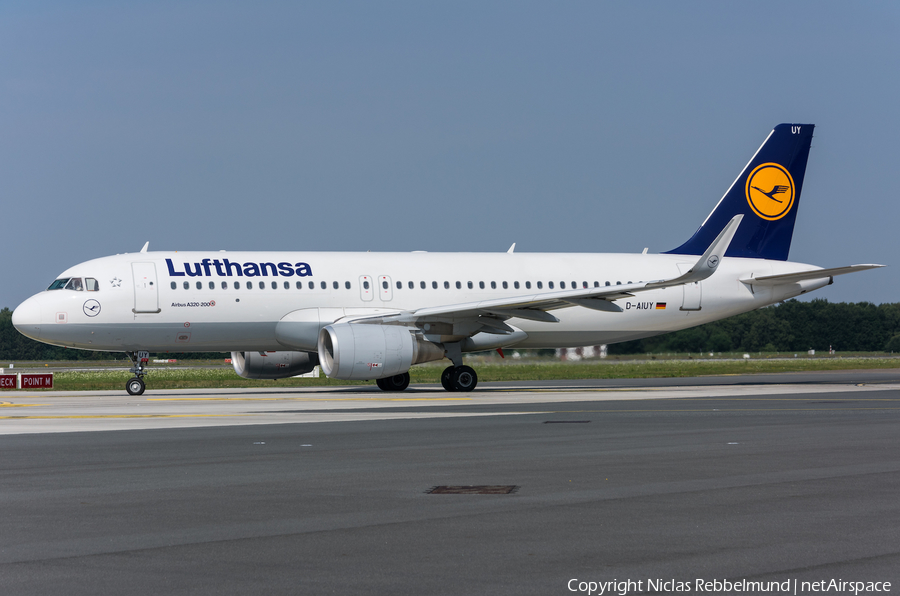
{"points": [[91, 284], [59, 284], [75, 284]]}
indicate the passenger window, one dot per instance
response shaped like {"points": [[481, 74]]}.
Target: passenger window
{"points": [[262, 285], [365, 285], [312, 285], [249, 285], [493, 285], [469, 284], [399, 285], [347, 285], [446, 285], [384, 285], [324, 285], [607, 283], [618, 283], [505, 286], [596, 284], [274, 285], [584, 284], [516, 285], [287, 285], [237, 285], [91, 284], [335, 285], [527, 285], [224, 285], [300, 285], [411, 285], [174, 285], [422, 284], [434, 285], [550, 284], [212, 285], [458, 285], [199, 285], [562, 285], [481, 285], [187, 285], [540, 285]]}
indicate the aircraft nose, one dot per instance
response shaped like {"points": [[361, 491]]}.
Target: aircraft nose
{"points": [[27, 318]]}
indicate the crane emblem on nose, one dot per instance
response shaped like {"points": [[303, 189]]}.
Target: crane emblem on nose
{"points": [[91, 308]]}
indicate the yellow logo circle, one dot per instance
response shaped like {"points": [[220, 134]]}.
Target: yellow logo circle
{"points": [[770, 191]]}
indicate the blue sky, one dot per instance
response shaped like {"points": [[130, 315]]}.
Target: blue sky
{"points": [[569, 127]]}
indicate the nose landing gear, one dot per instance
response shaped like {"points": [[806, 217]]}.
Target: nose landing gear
{"points": [[136, 385]]}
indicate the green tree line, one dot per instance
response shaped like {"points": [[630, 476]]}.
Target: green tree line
{"points": [[791, 326]]}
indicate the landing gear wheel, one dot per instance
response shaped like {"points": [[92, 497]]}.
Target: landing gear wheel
{"points": [[465, 378], [395, 383], [448, 381], [135, 386]]}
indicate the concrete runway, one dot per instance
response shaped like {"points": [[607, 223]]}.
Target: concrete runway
{"points": [[276, 491]]}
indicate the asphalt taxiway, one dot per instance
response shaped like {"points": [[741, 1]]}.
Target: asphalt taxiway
{"points": [[775, 477]]}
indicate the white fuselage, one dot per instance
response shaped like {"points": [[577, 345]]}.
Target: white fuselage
{"points": [[189, 301]]}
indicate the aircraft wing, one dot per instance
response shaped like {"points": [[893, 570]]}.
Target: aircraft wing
{"points": [[787, 278], [535, 307]]}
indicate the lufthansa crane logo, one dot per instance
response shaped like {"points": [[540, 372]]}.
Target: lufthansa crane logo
{"points": [[770, 191], [91, 308]]}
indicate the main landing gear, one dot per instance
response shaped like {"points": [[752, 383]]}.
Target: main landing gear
{"points": [[395, 383], [454, 378], [459, 378], [136, 385]]}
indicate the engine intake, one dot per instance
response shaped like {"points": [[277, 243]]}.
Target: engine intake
{"points": [[364, 351], [273, 365]]}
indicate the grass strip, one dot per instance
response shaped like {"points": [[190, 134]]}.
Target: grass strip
{"points": [[224, 377]]}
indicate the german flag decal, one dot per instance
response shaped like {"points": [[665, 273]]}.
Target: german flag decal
{"points": [[660, 306]]}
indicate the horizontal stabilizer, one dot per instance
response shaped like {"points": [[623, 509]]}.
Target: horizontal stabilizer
{"points": [[789, 278]]}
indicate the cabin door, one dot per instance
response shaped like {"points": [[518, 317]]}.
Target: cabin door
{"points": [[146, 291]]}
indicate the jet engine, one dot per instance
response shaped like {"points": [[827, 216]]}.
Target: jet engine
{"points": [[273, 365], [366, 351]]}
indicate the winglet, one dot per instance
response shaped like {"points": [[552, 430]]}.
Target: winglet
{"points": [[512, 248], [146, 246], [709, 261]]}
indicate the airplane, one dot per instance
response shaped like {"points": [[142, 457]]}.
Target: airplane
{"points": [[372, 316]]}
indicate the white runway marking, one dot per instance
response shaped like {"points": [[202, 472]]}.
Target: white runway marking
{"points": [[45, 412]]}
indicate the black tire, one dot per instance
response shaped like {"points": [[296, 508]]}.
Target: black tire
{"points": [[465, 378], [397, 382], [448, 380], [135, 386]]}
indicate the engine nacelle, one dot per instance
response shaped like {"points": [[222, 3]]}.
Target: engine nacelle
{"points": [[273, 365], [366, 351]]}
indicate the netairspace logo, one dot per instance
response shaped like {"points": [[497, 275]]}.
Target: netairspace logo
{"points": [[724, 586]]}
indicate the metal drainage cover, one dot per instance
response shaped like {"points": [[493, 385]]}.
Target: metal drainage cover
{"points": [[489, 489]]}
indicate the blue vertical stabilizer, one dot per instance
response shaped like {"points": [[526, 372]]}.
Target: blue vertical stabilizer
{"points": [[767, 193]]}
